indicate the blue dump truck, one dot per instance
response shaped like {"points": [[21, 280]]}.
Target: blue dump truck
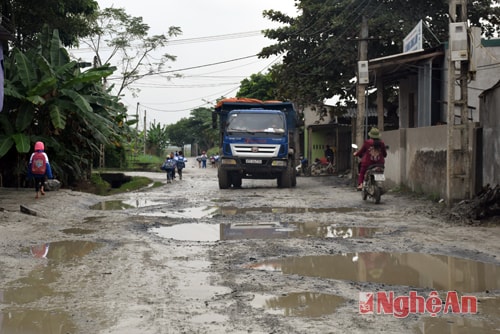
{"points": [[256, 139]]}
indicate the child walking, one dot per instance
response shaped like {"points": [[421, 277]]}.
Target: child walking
{"points": [[39, 168]]}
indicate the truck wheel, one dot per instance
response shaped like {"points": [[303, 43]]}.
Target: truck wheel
{"points": [[286, 178], [236, 180], [223, 179], [294, 178]]}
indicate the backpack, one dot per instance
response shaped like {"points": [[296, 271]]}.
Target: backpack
{"points": [[180, 163], [169, 164], [38, 164]]}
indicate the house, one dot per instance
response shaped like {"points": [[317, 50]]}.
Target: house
{"points": [[418, 157]]}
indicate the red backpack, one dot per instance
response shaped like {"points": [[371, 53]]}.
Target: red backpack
{"points": [[38, 164]]}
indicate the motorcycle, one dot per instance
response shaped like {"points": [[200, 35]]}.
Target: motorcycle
{"points": [[373, 181]]}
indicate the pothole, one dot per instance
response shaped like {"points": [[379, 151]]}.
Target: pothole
{"points": [[299, 304], [409, 269], [262, 230]]}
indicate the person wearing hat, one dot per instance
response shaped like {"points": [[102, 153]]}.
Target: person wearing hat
{"points": [[372, 152]]}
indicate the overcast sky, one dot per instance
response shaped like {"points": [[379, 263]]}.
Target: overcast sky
{"points": [[168, 101]]}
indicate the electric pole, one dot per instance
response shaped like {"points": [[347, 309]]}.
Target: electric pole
{"points": [[358, 134], [136, 149], [458, 160], [144, 132], [361, 85]]}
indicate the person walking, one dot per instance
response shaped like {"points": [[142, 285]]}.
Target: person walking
{"points": [[39, 168], [169, 166], [204, 159], [372, 152], [181, 163]]}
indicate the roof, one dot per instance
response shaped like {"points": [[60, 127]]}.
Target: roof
{"points": [[399, 65]]}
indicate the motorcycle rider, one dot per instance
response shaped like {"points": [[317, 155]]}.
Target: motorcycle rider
{"points": [[373, 152]]}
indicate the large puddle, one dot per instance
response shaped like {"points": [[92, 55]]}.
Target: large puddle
{"points": [[410, 269], [215, 210], [64, 250], [36, 322], [458, 324], [299, 304], [124, 204], [15, 317], [239, 231]]}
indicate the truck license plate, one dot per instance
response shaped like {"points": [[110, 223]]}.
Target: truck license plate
{"points": [[379, 177], [254, 161]]}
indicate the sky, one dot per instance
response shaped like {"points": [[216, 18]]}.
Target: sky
{"points": [[236, 25]]}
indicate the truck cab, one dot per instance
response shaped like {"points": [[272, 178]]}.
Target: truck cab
{"points": [[255, 142]]}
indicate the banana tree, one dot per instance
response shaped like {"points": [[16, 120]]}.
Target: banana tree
{"points": [[49, 98]]}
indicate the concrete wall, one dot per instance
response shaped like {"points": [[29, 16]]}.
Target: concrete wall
{"points": [[417, 159], [490, 121]]}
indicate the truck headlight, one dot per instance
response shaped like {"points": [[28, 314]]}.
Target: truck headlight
{"points": [[228, 162], [279, 163]]}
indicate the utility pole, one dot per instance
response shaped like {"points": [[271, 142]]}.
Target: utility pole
{"points": [[458, 160], [361, 87], [136, 149], [358, 132], [144, 132]]}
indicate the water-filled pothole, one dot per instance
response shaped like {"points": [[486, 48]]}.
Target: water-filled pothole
{"points": [[411, 269], [461, 324], [64, 250], [233, 210], [189, 213], [36, 321], [77, 231], [125, 204], [299, 304], [263, 230]]}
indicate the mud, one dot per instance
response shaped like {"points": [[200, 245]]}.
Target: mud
{"points": [[190, 258]]}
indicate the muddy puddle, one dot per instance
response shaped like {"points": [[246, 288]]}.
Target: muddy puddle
{"points": [[409, 269], [298, 304], [36, 321], [469, 324], [124, 204], [77, 231], [63, 250], [215, 210], [270, 230], [232, 210], [37, 285]]}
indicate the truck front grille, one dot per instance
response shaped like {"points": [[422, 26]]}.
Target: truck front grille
{"points": [[261, 150]]}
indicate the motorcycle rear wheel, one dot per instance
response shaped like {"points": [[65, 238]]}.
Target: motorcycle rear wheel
{"points": [[377, 193]]}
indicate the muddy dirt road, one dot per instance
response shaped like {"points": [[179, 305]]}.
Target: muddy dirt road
{"points": [[190, 258]]}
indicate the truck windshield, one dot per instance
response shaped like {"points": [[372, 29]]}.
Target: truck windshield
{"points": [[256, 122]]}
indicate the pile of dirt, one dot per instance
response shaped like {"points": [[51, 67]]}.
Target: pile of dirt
{"points": [[484, 207]]}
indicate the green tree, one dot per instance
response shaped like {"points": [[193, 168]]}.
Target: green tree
{"points": [[320, 45], [128, 39], [197, 129], [49, 98], [157, 139], [26, 18], [258, 86]]}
